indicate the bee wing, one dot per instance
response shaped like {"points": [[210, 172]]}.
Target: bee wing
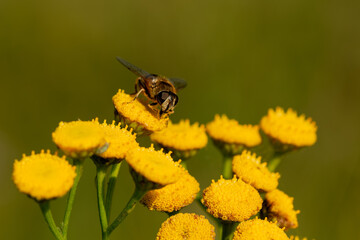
{"points": [[178, 83], [133, 68]]}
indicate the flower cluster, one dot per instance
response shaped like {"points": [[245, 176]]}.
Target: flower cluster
{"points": [[43, 176], [287, 130], [249, 168], [232, 137], [244, 201], [231, 200]]}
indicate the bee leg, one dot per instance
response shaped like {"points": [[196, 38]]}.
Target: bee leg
{"points": [[137, 94], [152, 106]]}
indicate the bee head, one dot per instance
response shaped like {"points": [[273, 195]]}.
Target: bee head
{"points": [[167, 101]]}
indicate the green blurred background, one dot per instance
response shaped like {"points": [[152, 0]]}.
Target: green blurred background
{"points": [[57, 63]]}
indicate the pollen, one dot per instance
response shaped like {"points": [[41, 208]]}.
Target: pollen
{"points": [[120, 140], [181, 136], [43, 176], [174, 196], [137, 115], [186, 226], [230, 131], [155, 166], [231, 200], [249, 168], [258, 229], [289, 128], [79, 139], [280, 208]]}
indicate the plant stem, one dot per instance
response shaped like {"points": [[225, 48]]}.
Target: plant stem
{"points": [[110, 188], [137, 195], [273, 163], [45, 209], [227, 167], [100, 176], [228, 230], [70, 201]]}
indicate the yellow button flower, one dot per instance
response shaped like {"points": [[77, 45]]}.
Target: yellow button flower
{"points": [[120, 141], [231, 200], [186, 226], [230, 136], [79, 139], [155, 166], [258, 229], [135, 114], [249, 168], [43, 176], [174, 196], [286, 128], [279, 207], [182, 138]]}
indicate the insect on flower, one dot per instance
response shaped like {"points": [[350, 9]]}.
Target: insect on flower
{"points": [[158, 89]]}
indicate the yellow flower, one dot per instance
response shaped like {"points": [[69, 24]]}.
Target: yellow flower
{"points": [[230, 136], [155, 166], [186, 226], [120, 141], [79, 139], [249, 168], [286, 128], [279, 207], [174, 196], [182, 139], [257, 229], [135, 114], [231, 200], [43, 176]]}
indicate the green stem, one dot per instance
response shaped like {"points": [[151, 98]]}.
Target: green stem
{"points": [[273, 163], [137, 195], [228, 229], [100, 176], [110, 188], [70, 201], [227, 167], [45, 209]]}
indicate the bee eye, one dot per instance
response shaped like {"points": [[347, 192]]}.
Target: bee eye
{"points": [[162, 96]]}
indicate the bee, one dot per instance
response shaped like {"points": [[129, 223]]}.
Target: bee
{"points": [[160, 90]]}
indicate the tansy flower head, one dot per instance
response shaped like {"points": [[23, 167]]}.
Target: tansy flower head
{"points": [[258, 229], [186, 226], [174, 196], [249, 168], [155, 166], [182, 138], [232, 137], [134, 114], [120, 141], [279, 207], [43, 176], [79, 139], [231, 200], [287, 130]]}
